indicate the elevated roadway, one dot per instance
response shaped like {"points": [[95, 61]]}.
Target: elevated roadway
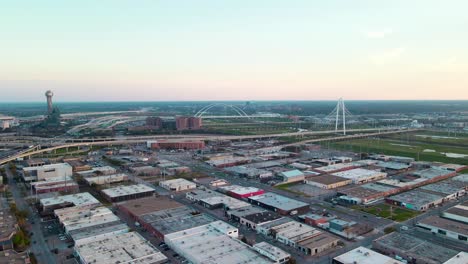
{"points": [[36, 149]]}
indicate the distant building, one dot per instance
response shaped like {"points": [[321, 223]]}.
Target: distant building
{"points": [[176, 144], [7, 122], [127, 192], [58, 170], [188, 123], [154, 122]]}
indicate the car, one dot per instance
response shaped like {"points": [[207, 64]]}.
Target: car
{"points": [[175, 255], [161, 244], [167, 249]]}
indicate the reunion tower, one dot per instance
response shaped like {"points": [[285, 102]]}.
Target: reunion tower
{"points": [[49, 95]]}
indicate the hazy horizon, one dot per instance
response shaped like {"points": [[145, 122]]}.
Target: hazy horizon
{"points": [[234, 50]]}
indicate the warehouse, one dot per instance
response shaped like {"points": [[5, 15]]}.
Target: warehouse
{"points": [[177, 185], [248, 172], [138, 207], [94, 232], [106, 179], [127, 192], [449, 189], [78, 217], [252, 220], [237, 214], [364, 255], [317, 244], [164, 222], [104, 170], [276, 254], [360, 176], [122, 248], [145, 170], [412, 248], [415, 200], [458, 213], [445, 227], [292, 232], [83, 199], [359, 195], [328, 181], [338, 167], [434, 174], [393, 166], [201, 244], [292, 176], [240, 192], [280, 204], [60, 184], [222, 201]]}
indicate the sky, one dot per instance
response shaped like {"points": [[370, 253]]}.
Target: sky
{"points": [[182, 50]]}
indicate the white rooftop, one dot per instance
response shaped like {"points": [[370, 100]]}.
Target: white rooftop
{"points": [[241, 190], [362, 255], [122, 248], [358, 173], [75, 199], [460, 258], [48, 167], [270, 251], [229, 202], [174, 183], [127, 190]]}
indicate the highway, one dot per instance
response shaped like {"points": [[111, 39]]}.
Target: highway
{"points": [[136, 140]]}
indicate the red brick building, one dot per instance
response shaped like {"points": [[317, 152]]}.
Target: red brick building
{"points": [[178, 144], [188, 123]]}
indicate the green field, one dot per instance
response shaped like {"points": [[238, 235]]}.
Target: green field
{"points": [[386, 211], [424, 151]]}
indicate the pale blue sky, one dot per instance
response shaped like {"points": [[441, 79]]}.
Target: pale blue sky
{"points": [[233, 50]]}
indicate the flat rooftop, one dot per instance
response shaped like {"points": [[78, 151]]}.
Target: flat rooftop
{"points": [[261, 217], [328, 179], [12, 257], [359, 192], [460, 258], [122, 248], [125, 190], [240, 212], [106, 229], [84, 198], [359, 173], [278, 201], [445, 224], [364, 255], [149, 204], [446, 187], [174, 183], [416, 197], [392, 165], [416, 247], [207, 244], [339, 166], [432, 173], [274, 253], [241, 190], [48, 167], [295, 231], [176, 219], [227, 201], [318, 240]]}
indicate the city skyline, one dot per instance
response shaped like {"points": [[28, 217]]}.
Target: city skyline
{"points": [[239, 50]]}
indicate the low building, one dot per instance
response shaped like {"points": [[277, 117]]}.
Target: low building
{"points": [[164, 222], [328, 181], [122, 248], [222, 201], [213, 243], [145, 170], [60, 184], [241, 192], [445, 227], [106, 179], [460, 258], [317, 244], [178, 185], [228, 161], [415, 200], [139, 207], [97, 171], [237, 214], [280, 204], [127, 192], [176, 144], [449, 189], [58, 170], [360, 176], [276, 254], [362, 255], [292, 176], [8, 226], [315, 219], [457, 213], [393, 166], [82, 199], [292, 232], [249, 172], [410, 248], [332, 168], [77, 165], [10, 256], [252, 220]]}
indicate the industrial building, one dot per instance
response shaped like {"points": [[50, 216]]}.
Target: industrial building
{"points": [[277, 255], [332, 168], [164, 222], [176, 144], [434, 174], [127, 192], [122, 248], [83, 199], [362, 255], [457, 213], [228, 161], [97, 171], [145, 170], [328, 181], [241, 192], [213, 243], [253, 219], [280, 204], [237, 214], [360, 176], [248, 172], [139, 207], [60, 184], [178, 185], [292, 232], [445, 228], [415, 200], [77, 164], [77, 217], [45, 172], [449, 189], [106, 179], [317, 244], [410, 248], [292, 176], [222, 201]]}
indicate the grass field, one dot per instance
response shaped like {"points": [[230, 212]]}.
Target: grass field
{"points": [[419, 151], [386, 211]]}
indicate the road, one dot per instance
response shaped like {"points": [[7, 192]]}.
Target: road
{"points": [[40, 248]]}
